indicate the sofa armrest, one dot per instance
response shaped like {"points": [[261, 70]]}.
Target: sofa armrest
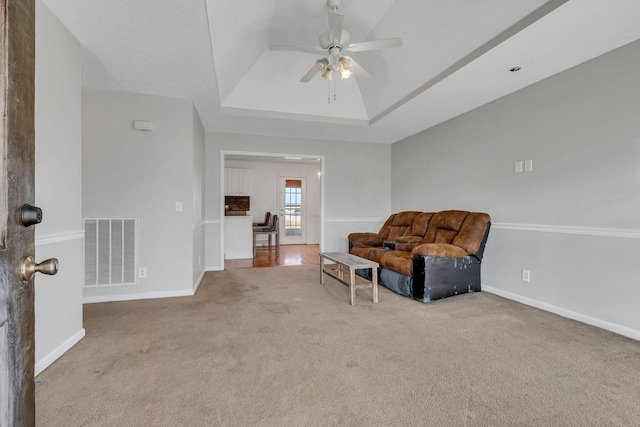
{"points": [[364, 240], [436, 277], [441, 250]]}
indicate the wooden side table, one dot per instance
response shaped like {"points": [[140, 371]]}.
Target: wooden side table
{"points": [[351, 263]]}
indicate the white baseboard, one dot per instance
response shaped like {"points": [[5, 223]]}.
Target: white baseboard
{"points": [[213, 268], [131, 297], [46, 361], [613, 327]]}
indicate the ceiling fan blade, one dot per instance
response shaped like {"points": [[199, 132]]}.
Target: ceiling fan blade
{"points": [[288, 48], [335, 26], [310, 74], [374, 45], [357, 69]]}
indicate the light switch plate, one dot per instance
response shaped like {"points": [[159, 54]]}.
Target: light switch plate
{"points": [[178, 206], [528, 165], [518, 167]]}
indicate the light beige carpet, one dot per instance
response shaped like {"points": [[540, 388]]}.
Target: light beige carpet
{"points": [[273, 347]]}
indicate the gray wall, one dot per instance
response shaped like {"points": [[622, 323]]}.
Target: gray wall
{"points": [[58, 299], [357, 183], [134, 174], [574, 221]]}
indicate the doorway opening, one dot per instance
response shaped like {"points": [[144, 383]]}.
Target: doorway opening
{"points": [[302, 223]]}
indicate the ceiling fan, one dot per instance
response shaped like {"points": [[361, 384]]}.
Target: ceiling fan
{"points": [[334, 42]]}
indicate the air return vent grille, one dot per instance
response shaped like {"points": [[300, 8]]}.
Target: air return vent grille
{"points": [[110, 248]]}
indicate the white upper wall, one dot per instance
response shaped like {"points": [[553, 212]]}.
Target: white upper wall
{"points": [[58, 125], [357, 175], [581, 130]]}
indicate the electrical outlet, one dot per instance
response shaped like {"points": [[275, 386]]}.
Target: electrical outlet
{"points": [[526, 275], [142, 272]]}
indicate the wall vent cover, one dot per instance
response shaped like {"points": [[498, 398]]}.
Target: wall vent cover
{"points": [[110, 251]]}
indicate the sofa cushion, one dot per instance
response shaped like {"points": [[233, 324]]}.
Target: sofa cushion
{"points": [[406, 247], [442, 250], [420, 224], [372, 254], [398, 261], [401, 224], [409, 239], [376, 253], [472, 231], [384, 231], [446, 225], [361, 252], [407, 243]]}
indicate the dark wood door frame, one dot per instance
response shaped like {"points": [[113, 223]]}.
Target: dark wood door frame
{"points": [[17, 73]]}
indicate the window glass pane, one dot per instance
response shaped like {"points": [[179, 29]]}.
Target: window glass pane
{"points": [[292, 208]]}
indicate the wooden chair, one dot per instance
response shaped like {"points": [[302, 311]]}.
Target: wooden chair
{"points": [[265, 223], [272, 228]]}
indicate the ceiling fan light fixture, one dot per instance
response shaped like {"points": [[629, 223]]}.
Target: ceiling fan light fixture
{"points": [[322, 64], [328, 74], [345, 67]]}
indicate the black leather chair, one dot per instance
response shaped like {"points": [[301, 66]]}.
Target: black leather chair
{"points": [[271, 229], [265, 223]]}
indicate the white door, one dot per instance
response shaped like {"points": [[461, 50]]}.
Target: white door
{"points": [[293, 214]]}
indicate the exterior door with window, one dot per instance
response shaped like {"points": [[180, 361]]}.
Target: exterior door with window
{"points": [[293, 216]]}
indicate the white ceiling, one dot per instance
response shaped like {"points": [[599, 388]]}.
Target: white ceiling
{"points": [[456, 56]]}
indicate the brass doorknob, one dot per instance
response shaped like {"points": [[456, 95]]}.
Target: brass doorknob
{"points": [[29, 267]]}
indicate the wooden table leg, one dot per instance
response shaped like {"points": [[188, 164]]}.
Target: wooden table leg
{"points": [[374, 282], [352, 286]]}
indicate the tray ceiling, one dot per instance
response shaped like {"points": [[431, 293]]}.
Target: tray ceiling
{"points": [[456, 56]]}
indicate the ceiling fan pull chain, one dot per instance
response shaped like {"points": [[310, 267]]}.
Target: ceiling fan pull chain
{"points": [[334, 89]]}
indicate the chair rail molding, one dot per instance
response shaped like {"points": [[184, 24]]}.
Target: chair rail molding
{"points": [[375, 219], [567, 229], [62, 236]]}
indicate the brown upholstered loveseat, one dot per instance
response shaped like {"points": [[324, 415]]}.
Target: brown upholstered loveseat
{"points": [[427, 255]]}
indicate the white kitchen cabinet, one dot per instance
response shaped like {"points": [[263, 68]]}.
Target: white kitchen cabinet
{"points": [[237, 181]]}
